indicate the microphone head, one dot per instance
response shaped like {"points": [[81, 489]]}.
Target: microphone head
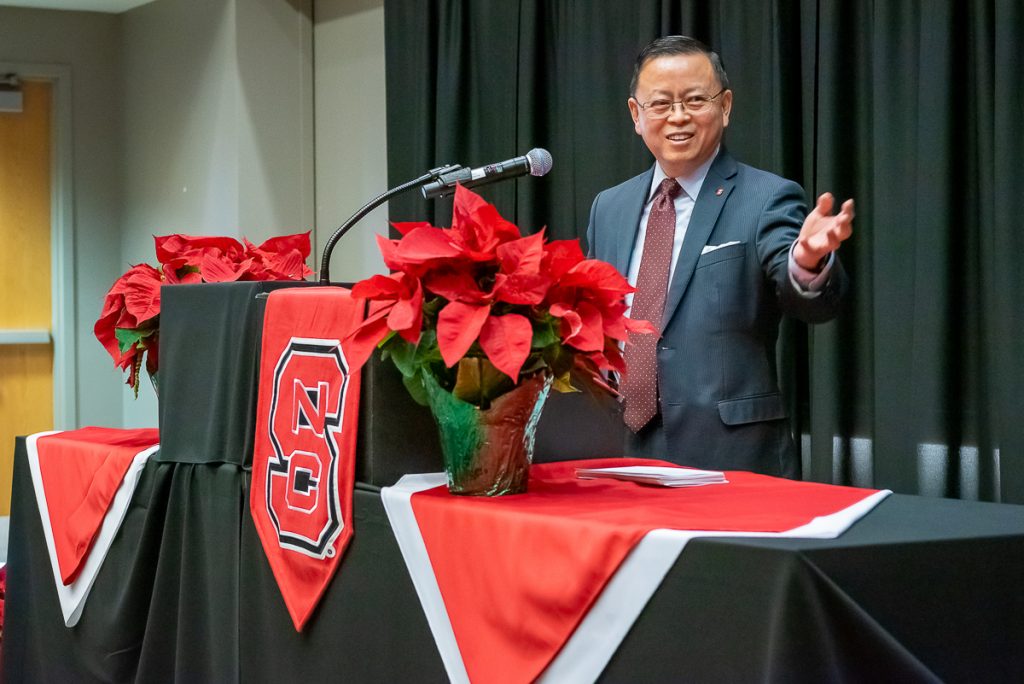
{"points": [[539, 160]]}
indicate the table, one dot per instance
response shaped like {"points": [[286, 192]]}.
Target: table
{"points": [[919, 590]]}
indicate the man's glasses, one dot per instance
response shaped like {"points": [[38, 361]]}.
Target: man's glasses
{"points": [[694, 104]]}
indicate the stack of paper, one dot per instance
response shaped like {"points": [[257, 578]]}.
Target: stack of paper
{"points": [[656, 475]]}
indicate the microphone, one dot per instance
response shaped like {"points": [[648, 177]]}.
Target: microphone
{"points": [[536, 162]]}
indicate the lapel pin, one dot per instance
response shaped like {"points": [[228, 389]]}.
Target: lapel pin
{"points": [[718, 192]]}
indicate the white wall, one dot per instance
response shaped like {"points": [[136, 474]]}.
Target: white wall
{"points": [[351, 146], [197, 116], [89, 44], [218, 126]]}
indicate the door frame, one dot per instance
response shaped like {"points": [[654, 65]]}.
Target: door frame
{"points": [[62, 245]]}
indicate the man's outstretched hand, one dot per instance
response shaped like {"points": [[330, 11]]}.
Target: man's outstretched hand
{"points": [[822, 232]]}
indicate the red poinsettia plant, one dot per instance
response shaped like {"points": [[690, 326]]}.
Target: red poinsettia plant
{"points": [[478, 306], [129, 325]]}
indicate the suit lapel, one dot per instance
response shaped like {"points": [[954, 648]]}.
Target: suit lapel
{"points": [[702, 221], [632, 208]]}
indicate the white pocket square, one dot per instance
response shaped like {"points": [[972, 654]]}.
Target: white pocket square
{"points": [[712, 248]]}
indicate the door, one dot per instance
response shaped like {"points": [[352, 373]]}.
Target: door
{"points": [[26, 349]]}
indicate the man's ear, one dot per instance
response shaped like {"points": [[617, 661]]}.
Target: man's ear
{"points": [[634, 111], [726, 107]]}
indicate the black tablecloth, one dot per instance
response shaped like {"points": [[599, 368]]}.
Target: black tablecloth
{"points": [[920, 589]]}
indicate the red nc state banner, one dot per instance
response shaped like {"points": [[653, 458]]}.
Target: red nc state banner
{"points": [[303, 468]]}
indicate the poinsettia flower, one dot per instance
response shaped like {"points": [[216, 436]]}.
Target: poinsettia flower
{"points": [[521, 279], [360, 343], [480, 286], [128, 324], [560, 256], [188, 247], [457, 282], [477, 227], [281, 244], [589, 300], [279, 258], [397, 305], [133, 299], [582, 326], [215, 267]]}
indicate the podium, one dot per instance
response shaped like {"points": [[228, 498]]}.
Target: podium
{"points": [[919, 590]]}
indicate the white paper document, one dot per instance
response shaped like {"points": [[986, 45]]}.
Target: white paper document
{"points": [[656, 475]]}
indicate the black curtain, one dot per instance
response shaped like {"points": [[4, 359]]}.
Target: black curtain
{"points": [[915, 108]]}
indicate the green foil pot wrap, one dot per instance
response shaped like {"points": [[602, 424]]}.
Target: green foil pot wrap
{"points": [[487, 452]]}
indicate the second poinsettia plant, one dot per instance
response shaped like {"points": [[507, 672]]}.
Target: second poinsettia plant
{"points": [[129, 325], [478, 306]]}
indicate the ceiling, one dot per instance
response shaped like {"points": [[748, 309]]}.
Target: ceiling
{"points": [[111, 6]]}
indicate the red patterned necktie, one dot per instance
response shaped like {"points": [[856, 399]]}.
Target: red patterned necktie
{"points": [[640, 386]]}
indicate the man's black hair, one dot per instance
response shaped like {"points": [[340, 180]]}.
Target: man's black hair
{"points": [[677, 45]]}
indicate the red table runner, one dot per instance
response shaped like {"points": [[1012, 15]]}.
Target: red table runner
{"points": [[83, 481], [509, 579]]}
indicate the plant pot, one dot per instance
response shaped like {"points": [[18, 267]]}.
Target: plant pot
{"points": [[487, 452]]}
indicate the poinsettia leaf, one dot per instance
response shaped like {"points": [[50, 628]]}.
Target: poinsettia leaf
{"points": [[458, 325], [506, 340], [126, 339], [406, 227], [192, 248], [558, 358], [184, 274], [563, 383], [494, 383], [408, 309], [142, 297], [403, 355], [468, 383], [572, 323], [217, 269], [596, 275], [544, 333], [534, 362], [423, 244], [480, 221], [152, 343], [389, 252], [360, 343], [639, 326], [282, 244], [478, 382], [523, 255], [528, 289], [456, 285], [590, 335], [377, 287], [414, 386], [290, 265], [562, 255]]}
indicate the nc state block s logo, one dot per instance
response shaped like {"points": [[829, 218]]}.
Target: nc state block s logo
{"points": [[306, 415]]}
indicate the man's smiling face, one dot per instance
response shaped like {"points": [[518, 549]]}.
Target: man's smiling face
{"points": [[684, 140]]}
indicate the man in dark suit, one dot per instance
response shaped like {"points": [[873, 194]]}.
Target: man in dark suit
{"points": [[718, 251]]}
